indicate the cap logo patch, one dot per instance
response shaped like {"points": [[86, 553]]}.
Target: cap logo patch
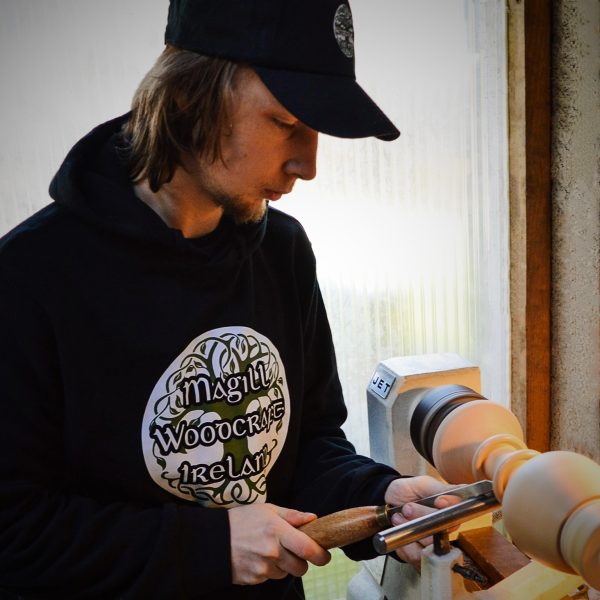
{"points": [[344, 30]]}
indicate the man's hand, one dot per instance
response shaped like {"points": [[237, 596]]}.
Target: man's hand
{"points": [[265, 543], [401, 491]]}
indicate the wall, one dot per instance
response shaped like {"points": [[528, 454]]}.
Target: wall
{"points": [[576, 227]]}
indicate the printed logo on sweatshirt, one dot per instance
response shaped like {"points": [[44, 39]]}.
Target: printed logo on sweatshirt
{"points": [[217, 419]]}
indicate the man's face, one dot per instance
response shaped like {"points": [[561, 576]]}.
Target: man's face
{"points": [[264, 152]]}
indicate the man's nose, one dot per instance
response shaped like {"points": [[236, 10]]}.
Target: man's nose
{"points": [[303, 163]]}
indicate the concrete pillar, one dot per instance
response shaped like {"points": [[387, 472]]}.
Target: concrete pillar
{"points": [[576, 227]]}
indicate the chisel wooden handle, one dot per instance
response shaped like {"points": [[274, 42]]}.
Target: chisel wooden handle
{"points": [[355, 524], [347, 526]]}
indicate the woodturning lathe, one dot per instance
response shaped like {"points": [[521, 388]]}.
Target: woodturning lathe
{"points": [[563, 512]]}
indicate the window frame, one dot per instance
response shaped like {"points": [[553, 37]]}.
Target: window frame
{"points": [[530, 191]]}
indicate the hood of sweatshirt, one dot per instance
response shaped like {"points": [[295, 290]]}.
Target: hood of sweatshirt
{"points": [[93, 183]]}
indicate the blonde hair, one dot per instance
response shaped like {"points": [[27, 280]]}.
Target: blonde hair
{"points": [[180, 107]]}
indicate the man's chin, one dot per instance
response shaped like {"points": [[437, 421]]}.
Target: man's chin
{"points": [[244, 214]]}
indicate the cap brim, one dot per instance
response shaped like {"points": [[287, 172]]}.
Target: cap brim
{"points": [[332, 104]]}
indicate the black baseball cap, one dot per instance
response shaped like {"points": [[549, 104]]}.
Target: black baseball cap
{"points": [[303, 50]]}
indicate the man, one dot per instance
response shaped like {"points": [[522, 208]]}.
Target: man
{"points": [[171, 408]]}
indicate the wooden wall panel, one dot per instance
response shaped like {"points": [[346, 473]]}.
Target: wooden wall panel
{"points": [[538, 220]]}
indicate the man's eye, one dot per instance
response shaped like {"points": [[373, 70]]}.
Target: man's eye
{"points": [[283, 124]]}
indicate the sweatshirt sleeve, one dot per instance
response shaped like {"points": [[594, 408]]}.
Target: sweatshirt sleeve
{"points": [[330, 475], [55, 543]]}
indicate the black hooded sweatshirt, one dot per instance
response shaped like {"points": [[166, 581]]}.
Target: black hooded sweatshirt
{"points": [[150, 381]]}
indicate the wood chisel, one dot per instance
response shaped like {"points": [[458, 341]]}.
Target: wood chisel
{"points": [[355, 524]]}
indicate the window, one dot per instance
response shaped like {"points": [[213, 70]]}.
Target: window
{"points": [[411, 236]]}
